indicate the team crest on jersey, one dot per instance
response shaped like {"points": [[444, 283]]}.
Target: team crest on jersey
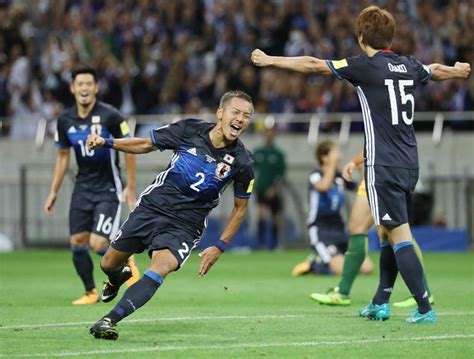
{"points": [[222, 170], [95, 119]]}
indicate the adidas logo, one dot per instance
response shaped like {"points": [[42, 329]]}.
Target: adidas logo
{"points": [[72, 129], [388, 290], [192, 151], [425, 294], [386, 217]]}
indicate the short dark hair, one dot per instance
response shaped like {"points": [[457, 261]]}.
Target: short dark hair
{"points": [[231, 94], [84, 70], [322, 149], [377, 27]]}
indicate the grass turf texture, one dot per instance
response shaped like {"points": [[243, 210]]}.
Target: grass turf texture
{"points": [[247, 306]]}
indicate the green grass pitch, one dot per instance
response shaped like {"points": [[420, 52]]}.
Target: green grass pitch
{"points": [[248, 306]]}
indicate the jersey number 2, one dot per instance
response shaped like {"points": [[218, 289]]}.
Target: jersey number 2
{"points": [[202, 177], [404, 97]]}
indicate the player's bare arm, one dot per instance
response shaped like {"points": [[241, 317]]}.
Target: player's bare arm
{"points": [[134, 145], [305, 64], [211, 254], [349, 168], [129, 194], [441, 72], [60, 168]]}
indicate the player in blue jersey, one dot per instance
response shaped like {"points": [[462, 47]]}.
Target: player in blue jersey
{"points": [[326, 228], [94, 213], [360, 221], [385, 84], [171, 213]]}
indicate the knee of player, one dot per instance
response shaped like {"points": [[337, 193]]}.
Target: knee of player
{"points": [[356, 227], [79, 240]]}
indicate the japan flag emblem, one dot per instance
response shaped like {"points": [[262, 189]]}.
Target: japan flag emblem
{"points": [[228, 158]]}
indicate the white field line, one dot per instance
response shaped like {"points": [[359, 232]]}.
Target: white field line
{"points": [[164, 319], [246, 345], [205, 318], [217, 317]]}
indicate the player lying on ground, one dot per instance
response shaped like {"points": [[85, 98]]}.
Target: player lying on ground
{"points": [[326, 227], [385, 84], [360, 221], [95, 207], [171, 213]]}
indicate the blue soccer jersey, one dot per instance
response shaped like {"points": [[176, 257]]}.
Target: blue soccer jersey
{"points": [[325, 207], [198, 172], [98, 169], [385, 84]]}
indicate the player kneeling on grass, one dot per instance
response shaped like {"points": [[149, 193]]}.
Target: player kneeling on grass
{"points": [[326, 227], [170, 215]]}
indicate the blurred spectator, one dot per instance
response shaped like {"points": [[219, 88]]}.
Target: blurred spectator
{"points": [[155, 57], [270, 171]]}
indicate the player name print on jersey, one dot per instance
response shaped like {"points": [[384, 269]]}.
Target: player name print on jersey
{"points": [[397, 68]]}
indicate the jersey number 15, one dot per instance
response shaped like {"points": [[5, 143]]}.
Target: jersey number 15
{"points": [[404, 99]]}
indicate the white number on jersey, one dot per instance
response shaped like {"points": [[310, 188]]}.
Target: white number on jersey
{"points": [[104, 226], [183, 251], [404, 97], [202, 177], [85, 151]]}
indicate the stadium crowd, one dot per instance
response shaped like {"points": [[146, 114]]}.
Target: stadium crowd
{"points": [[180, 56]]}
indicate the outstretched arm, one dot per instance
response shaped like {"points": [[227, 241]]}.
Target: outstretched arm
{"points": [[129, 145], [306, 64], [211, 254], [442, 72]]}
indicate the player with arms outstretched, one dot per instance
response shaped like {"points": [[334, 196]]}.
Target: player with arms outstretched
{"points": [[94, 214], [171, 213], [385, 84]]}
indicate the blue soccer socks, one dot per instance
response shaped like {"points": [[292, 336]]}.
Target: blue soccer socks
{"points": [[136, 296], [84, 266], [411, 270], [388, 275]]}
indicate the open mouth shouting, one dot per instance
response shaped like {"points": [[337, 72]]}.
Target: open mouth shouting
{"points": [[235, 129]]}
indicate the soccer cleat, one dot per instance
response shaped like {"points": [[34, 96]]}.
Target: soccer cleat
{"points": [[104, 329], [331, 297], [91, 297], [110, 291], [376, 312], [426, 318], [301, 269], [135, 272], [411, 302]]}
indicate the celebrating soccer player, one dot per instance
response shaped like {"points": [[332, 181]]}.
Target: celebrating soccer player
{"points": [[385, 84], [94, 213], [171, 213]]}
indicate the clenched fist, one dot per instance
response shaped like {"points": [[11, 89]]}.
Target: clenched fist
{"points": [[260, 58], [463, 68], [94, 141]]}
